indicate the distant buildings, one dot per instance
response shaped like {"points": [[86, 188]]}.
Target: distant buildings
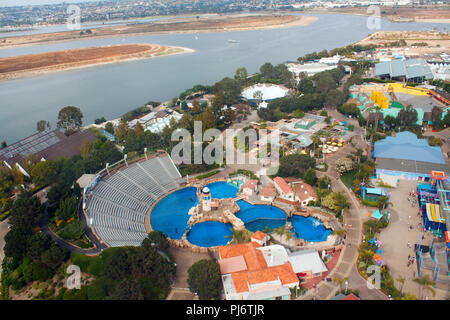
{"points": [[46, 145], [156, 121], [412, 70], [309, 68]]}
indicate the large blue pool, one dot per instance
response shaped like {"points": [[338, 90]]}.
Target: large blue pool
{"points": [[310, 229], [210, 234], [170, 214]]}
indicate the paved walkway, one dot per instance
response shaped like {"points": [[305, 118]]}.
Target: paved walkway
{"points": [[346, 265], [3, 231]]}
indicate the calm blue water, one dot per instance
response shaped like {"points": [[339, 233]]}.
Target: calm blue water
{"points": [[259, 217], [170, 214], [111, 90], [309, 229], [222, 190], [210, 234]]}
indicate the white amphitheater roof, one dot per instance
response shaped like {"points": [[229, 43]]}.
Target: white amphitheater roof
{"points": [[269, 91]]}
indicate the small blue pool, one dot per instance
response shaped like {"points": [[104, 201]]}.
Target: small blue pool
{"points": [[310, 229], [170, 214], [210, 234], [260, 217], [222, 190]]}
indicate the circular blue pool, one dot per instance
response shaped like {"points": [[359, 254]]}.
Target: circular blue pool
{"points": [[170, 214], [310, 229], [210, 234]]}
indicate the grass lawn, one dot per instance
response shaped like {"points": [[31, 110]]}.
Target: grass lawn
{"points": [[347, 178]]}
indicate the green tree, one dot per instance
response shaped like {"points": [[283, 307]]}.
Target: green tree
{"points": [[229, 88], [16, 243], [295, 165], [241, 75], [42, 125], [334, 98], [43, 172], [310, 177], [158, 239], [109, 127], [122, 131], [208, 120], [407, 116], [67, 208], [26, 212], [344, 165], [204, 279], [70, 119], [335, 202]]}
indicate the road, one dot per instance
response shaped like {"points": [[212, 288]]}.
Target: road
{"points": [[3, 231]]}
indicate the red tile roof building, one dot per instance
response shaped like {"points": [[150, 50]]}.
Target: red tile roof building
{"points": [[304, 193], [283, 189], [257, 280]]}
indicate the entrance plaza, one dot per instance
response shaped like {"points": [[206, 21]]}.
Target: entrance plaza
{"points": [[396, 237]]}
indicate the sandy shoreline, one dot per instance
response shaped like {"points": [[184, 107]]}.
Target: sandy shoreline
{"points": [[301, 21], [92, 63]]}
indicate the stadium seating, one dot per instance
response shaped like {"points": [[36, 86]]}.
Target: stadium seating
{"points": [[117, 205]]}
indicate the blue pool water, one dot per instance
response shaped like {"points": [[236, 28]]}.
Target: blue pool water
{"points": [[259, 217], [210, 234], [170, 214], [222, 190], [310, 229]]}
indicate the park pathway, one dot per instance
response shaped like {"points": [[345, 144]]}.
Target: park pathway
{"points": [[346, 265]]}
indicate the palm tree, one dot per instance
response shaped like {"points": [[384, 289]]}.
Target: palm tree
{"points": [[402, 281], [425, 284], [340, 282], [240, 236], [384, 202]]}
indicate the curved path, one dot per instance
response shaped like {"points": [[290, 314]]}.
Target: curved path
{"points": [[98, 247], [346, 265]]}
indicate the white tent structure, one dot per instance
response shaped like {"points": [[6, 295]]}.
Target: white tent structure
{"points": [[268, 92]]}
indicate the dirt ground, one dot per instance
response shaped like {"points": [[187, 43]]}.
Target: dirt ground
{"points": [[223, 23], [19, 66], [397, 235], [436, 42]]}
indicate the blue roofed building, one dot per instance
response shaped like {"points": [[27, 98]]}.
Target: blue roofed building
{"points": [[407, 157], [412, 70]]}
